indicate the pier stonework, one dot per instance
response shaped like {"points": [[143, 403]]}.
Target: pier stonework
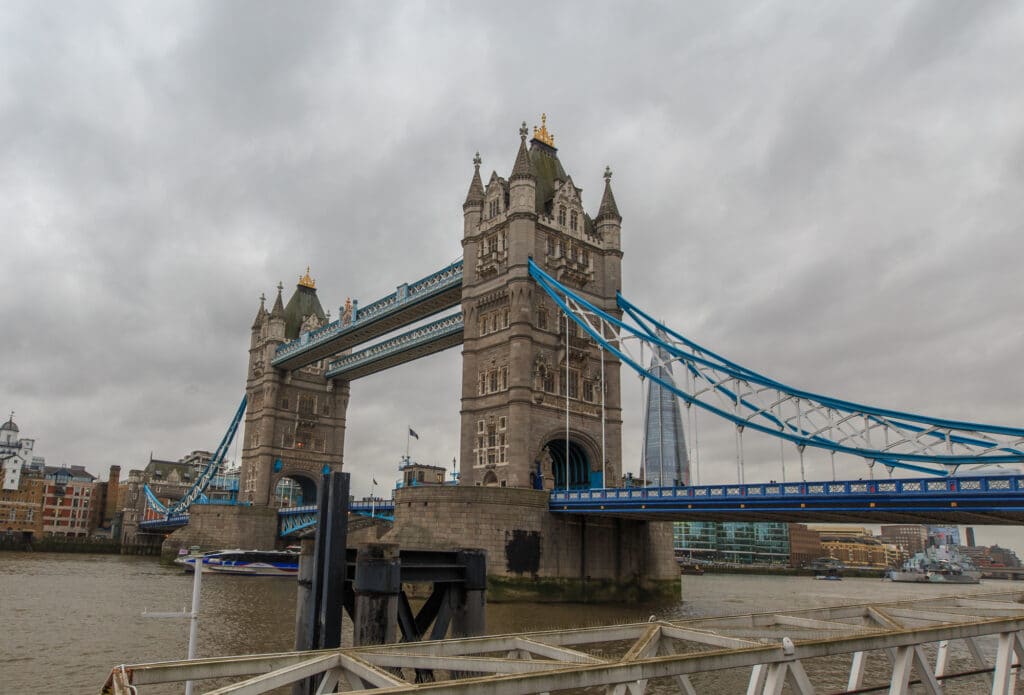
{"points": [[212, 527], [533, 554], [295, 420]]}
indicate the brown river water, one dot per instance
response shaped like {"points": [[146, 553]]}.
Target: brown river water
{"points": [[66, 620]]}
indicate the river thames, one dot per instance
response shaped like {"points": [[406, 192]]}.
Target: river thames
{"points": [[68, 619]]}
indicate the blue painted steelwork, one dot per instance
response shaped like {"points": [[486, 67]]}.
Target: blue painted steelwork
{"points": [[291, 520], [432, 332], [406, 295], [198, 489], [749, 400], [968, 496]]}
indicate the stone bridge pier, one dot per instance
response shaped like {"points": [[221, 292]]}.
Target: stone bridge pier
{"points": [[535, 555]]}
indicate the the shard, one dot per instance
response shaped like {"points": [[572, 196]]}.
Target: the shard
{"points": [[665, 462]]}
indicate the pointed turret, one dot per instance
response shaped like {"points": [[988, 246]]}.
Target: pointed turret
{"points": [[472, 209], [475, 196], [278, 310], [261, 313], [609, 222], [522, 182], [522, 169], [275, 325], [608, 209]]}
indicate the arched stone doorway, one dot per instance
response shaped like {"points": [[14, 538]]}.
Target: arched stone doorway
{"points": [[490, 480], [294, 490], [579, 468]]}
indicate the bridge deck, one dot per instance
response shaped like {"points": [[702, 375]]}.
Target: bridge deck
{"points": [[976, 501], [772, 647]]}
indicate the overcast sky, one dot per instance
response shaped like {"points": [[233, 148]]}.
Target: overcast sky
{"points": [[829, 194]]}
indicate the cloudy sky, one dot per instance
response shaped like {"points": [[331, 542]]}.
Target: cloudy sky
{"points": [[827, 194]]}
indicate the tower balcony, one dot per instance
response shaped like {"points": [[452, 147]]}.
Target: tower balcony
{"points": [[491, 263], [570, 271]]}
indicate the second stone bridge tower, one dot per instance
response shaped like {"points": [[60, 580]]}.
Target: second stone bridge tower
{"points": [[523, 367]]}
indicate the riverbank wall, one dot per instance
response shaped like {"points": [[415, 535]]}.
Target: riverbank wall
{"points": [[61, 544]]}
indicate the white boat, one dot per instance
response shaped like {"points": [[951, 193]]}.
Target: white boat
{"points": [[938, 565], [256, 563]]}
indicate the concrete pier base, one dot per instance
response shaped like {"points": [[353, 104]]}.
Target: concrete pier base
{"points": [[215, 527], [534, 555]]}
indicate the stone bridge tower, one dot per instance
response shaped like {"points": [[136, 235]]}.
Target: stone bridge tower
{"points": [[295, 420], [517, 345]]}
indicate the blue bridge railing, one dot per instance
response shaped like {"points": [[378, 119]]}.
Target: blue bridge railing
{"points": [[917, 486]]}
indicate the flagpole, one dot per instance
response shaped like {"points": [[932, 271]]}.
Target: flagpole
{"points": [[373, 500], [408, 436]]}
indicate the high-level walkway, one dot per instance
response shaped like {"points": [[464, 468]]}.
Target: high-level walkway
{"points": [[975, 642], [408, 304]]}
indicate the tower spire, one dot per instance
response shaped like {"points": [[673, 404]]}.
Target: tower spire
{"points": [[608, 209], [278, 310], [521, 169], [475, 196], [261, 313]]}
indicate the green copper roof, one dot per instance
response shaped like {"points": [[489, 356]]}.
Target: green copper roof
{"points": [[546, 170], [303, 303]]}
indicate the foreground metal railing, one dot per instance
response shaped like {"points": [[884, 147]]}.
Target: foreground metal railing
{"points": [[906, 642]]}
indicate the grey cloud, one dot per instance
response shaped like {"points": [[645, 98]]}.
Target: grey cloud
{"points": [[829, 195]]}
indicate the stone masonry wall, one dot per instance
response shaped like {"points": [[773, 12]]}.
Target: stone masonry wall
{"points": [[531, 550], [215, 527]]}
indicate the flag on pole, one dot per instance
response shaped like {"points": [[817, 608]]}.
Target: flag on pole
{"points": [[412, 433], [374, 480]]}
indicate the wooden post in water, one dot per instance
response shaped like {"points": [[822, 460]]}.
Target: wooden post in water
{"points": [[377, 584]]}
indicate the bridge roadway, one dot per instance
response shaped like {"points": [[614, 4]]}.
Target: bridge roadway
{"points": [[409, 303], [989, 500], [979, 501]]}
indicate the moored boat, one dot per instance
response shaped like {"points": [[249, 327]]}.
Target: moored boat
{"points": [[256, 563]]}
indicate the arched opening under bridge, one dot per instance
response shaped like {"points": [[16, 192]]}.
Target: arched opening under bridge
{"points": [[580, 476], [294, 490]]}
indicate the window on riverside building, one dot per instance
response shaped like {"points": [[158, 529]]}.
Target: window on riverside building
{"points": [[588, 391], [285, 405], [542, 319], [573, 220], [561, 215]]}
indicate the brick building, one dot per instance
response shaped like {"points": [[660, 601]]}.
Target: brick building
{"points": [[911, 538], [804, 545]]}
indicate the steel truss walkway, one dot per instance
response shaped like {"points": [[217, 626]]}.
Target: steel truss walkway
{"points": [[976, 642], [978, 501], [410, 303]]}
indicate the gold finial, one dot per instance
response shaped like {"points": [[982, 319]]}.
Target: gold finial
{"points": [[541, 134], [306, 281]]}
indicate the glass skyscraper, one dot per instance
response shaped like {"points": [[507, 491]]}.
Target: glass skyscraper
{"points": [[665, 462]]}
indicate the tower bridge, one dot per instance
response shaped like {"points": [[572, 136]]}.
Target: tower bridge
{"points": [[536, 307]]}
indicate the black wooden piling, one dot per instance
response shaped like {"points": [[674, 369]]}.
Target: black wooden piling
{"points": [[377, 584]]}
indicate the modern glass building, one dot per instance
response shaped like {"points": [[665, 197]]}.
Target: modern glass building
{"points": [[665, 462], [740, 542]]}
